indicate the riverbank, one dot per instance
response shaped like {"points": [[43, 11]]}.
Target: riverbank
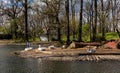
{"points": [[13, 42], [5, 42], [79, 54], [10, 42]]}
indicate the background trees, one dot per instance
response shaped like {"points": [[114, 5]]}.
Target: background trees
{"points": [[11, 12], [61, 20]]}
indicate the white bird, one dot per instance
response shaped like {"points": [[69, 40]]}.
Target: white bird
{"points": [[41, 48], [64, 46], [51, 47], [28, 48], [91, 50]]}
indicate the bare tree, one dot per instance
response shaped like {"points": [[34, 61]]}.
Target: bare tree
{"points": [[95, 22], [68, 21], [12, 10], [73, 4], [26, 20], [80, 24]]}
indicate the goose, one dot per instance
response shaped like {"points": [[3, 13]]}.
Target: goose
{"points": [[64, 46], [92, 50], [41, 48], [28, 48], [51, 47]]}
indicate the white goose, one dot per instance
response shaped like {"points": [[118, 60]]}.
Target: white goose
{"points": [[28, 48], [41, 48], [91, 50], [51, 47]]}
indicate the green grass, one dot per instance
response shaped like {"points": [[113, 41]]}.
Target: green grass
{"points": [[108, 36], [86, 38]]}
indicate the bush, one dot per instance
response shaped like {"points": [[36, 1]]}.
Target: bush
{"points": [[111, 35]]}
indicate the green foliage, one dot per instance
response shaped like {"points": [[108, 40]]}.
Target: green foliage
{"points": [[85, 32], [1, 29], [64, 38], [111, 35], [108, 36]]}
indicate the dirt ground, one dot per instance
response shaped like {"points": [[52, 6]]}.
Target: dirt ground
{"points": [[71, 54], [4, 42]]}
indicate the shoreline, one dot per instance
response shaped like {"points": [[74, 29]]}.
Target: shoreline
{"points": [[95, 58], [71, 55], [78, 54]]}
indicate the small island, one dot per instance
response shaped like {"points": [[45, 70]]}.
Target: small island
{"points": [[107, 51]]}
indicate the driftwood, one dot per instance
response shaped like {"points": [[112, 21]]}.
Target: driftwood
{"points": [[82, 44]]}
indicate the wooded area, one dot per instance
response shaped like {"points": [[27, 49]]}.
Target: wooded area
{"points": [[60, 20]]}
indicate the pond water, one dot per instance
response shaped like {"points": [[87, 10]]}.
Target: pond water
{"points": [[12, 64]]}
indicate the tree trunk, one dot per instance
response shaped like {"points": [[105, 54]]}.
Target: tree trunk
{"points": [[59, 29], [48, 34], [15, 30], [68, 26], [73, 19], [26, 21], [80, 24], [103, 21], [95, 23]]}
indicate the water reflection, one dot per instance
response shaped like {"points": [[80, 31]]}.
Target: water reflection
{"points": [[79, 67], [14, 64], [54, 67]]}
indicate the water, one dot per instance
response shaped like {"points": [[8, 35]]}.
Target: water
{"points": [[12, 64]]}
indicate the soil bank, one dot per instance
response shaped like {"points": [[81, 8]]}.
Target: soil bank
{"points": [[79, 54]]}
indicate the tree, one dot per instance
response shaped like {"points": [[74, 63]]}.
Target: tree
{"points": [[68, 22], [73, 3], [95, 23], [115, 12], [52, 10], [103, 15], [12, 9], [26, 20], [80, 24]]}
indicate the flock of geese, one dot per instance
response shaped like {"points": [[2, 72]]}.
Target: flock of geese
{"points": [[40, 48]]}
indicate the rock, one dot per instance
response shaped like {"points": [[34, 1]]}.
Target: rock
{"points": [[72, 45], [75, 45]]}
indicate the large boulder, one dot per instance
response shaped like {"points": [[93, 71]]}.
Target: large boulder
{"points": [[75, 45]]}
